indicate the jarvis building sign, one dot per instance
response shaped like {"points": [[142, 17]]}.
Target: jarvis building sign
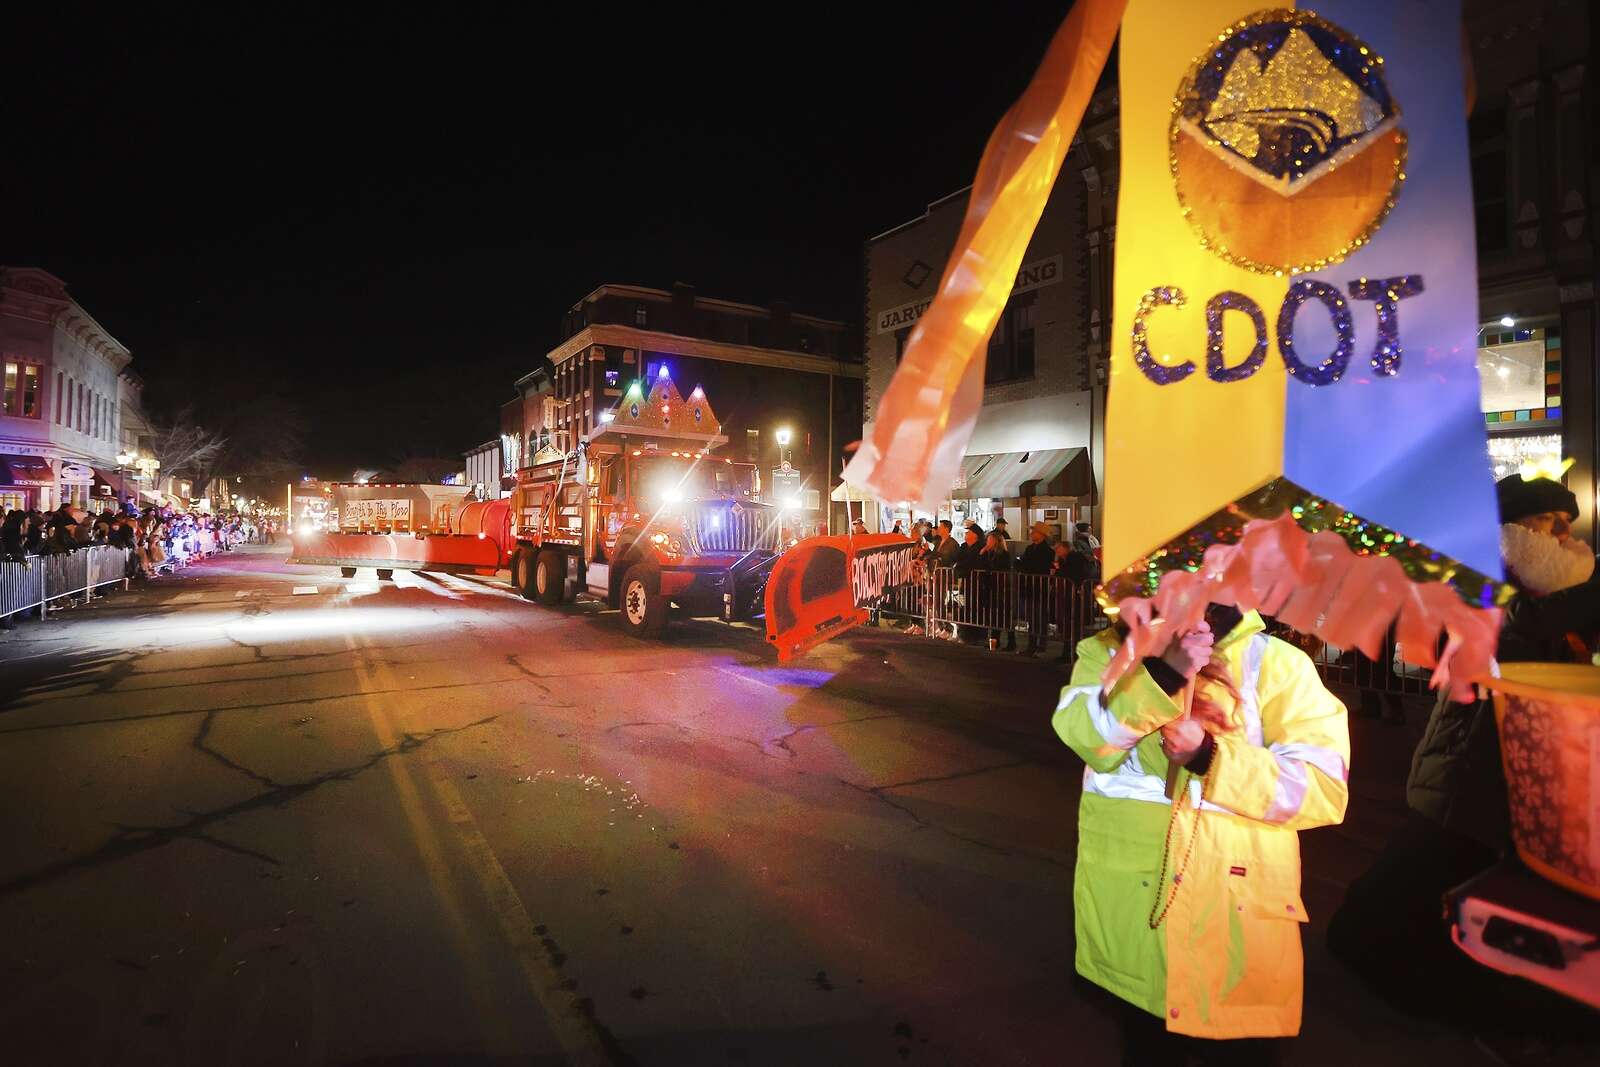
{"points": [[1031, 276]]}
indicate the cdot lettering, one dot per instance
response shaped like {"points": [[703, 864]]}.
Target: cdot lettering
{"points": [[1384, 293]]}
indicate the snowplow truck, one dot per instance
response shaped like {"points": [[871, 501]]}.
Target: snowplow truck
{"points": [[645, 515]]}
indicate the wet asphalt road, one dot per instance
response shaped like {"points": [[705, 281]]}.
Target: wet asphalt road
{"points": [[259, 814]]}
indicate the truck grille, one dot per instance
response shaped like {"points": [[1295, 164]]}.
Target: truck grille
{"points": [[724, 528]]}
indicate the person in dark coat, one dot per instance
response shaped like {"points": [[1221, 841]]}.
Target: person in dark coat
{"points": [[968, 559], [949, 547], [33, 533], [995, 563], [1388, 929], [11, 535], [1035, 561]]}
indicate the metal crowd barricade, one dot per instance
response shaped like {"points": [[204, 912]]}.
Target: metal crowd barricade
{"points": [[1386, 675], [986, 603], [37, 581]]}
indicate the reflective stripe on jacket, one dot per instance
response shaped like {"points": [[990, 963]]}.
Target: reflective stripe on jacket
{"points": [[1227, 961]]}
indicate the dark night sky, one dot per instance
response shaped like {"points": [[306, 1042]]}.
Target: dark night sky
{"points": [[384, 218]]}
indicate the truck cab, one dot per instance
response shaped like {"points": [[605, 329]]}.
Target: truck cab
{"points": [[645, 515]]}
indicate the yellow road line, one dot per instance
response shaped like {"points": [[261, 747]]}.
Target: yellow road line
{"points": [[579, 1037]]}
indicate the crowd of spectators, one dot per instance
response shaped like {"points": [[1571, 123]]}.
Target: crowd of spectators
{"points": [[159, 540], [976, 556]]}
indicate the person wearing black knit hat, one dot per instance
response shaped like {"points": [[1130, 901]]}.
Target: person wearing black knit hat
{"points": [[1536, 542], [1387, 929]]}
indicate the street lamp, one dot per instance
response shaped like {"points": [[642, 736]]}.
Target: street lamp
{"points": [[124, 461], [784, 437]]}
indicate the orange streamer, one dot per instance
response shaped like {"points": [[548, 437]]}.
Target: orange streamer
{"points": [[1315, 584], [915, 446]]}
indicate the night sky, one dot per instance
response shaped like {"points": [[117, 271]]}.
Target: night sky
{"points": [[383, 220]]}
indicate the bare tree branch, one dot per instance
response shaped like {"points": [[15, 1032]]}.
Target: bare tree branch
{"points": [[184, 447]]}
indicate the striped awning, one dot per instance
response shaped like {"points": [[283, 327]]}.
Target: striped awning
{"points": [[1042, 472]]}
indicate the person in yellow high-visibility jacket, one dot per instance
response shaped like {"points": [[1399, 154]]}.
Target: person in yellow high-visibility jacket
{"points": [[1190, 909]]}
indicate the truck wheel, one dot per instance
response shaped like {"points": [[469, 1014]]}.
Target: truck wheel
{"points": [[550, 577], [644, 609], [522, 572], [347, 572], [385, 575]]}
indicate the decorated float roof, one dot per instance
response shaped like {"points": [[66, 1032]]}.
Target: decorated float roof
{"points": [[664, 412]]}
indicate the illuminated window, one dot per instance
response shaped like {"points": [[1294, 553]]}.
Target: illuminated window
{"points": [[613, 378], [1519, 374], [21, 390], [1508, 452]]}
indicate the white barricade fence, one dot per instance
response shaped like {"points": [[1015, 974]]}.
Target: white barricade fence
{"points": [[36, 581]]}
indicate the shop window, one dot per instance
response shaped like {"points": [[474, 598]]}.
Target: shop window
{"points": [[1519, 371], [22, 390], [901, 336], [1011, 344], [1489, 201], [1509, 452]]}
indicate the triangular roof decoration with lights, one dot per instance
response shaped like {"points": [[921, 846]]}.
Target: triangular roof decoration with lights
{"points": [[664, 413]]}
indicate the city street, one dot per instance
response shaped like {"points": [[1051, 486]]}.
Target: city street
{"points": [[257, 813]]}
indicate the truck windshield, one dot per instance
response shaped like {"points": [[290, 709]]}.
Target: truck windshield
{"points": [[665, 478]]}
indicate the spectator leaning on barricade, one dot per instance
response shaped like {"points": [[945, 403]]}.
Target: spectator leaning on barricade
{"points": [[993, 576], [13, 535], [949, 548], [1035, 566]]}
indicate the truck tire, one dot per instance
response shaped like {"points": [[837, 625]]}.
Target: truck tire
{"points": [[550, 577], [347, 572], [644, 609], [385, 575], [522, 572]]}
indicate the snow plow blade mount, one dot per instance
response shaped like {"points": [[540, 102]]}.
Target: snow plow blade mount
{"points": [[824, 586]]}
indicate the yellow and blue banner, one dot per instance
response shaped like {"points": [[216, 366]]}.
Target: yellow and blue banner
{"points": [[1296, 292]]}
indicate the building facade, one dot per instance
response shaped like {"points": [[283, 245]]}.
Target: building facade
{"points": [[786, 386], [1532, 137], [1033, 455], [60, 423], [483, 469]]}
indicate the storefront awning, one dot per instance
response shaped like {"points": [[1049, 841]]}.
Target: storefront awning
{"points": [[846, 492], [1041, 472], [150, 496], [26, 470]]}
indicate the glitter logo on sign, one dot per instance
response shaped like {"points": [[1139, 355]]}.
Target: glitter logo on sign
{"points": [[1286, 147]]}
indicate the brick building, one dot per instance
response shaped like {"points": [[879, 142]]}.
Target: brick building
{"points": [[766, 371]]}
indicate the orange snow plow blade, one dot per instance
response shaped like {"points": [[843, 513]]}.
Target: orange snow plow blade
{"points": [[823, 586]]}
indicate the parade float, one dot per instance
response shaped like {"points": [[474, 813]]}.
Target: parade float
{"points": [[1293, 419]]}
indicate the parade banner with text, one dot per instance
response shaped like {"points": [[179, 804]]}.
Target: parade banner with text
{"points": [[1294, 322]]}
